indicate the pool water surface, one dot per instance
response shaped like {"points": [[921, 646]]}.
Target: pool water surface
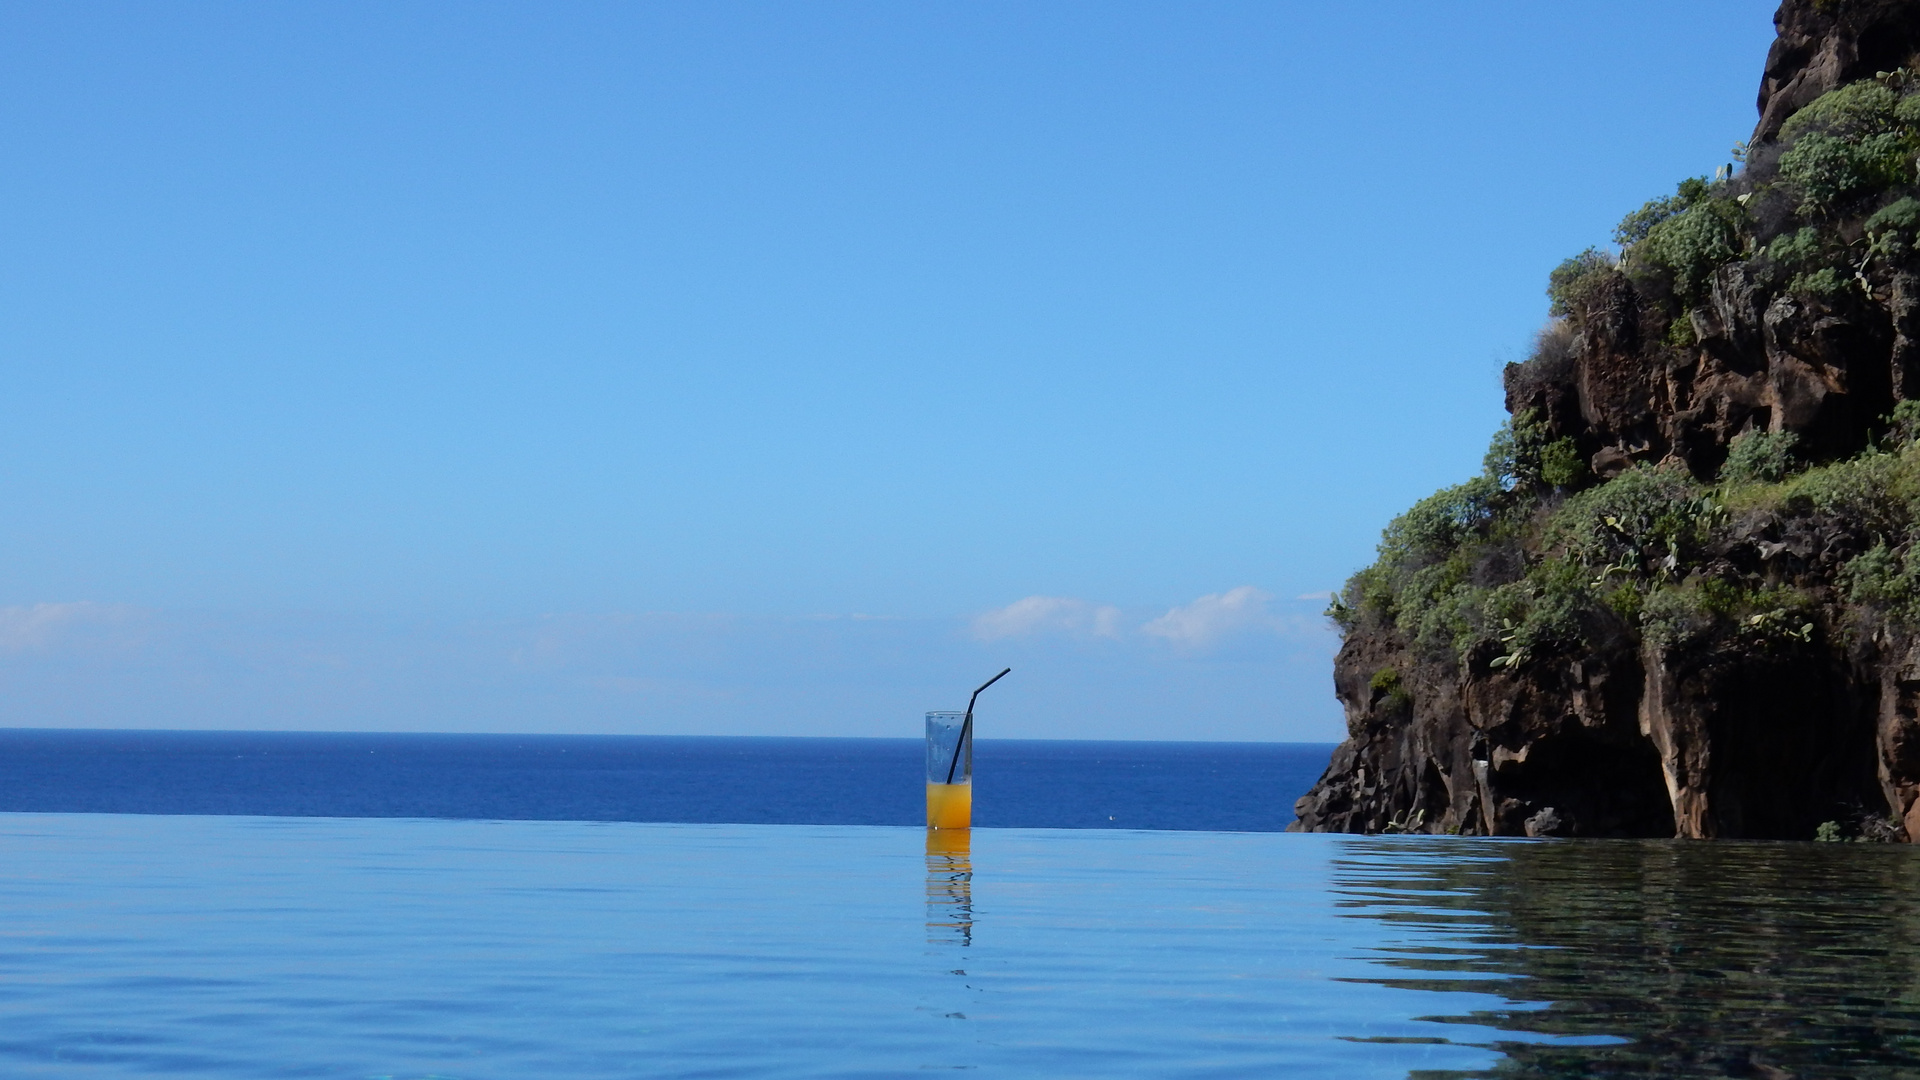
{"points": [[324, 947]]}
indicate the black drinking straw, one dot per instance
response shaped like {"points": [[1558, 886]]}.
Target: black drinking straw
{"points": [[966, 726]]}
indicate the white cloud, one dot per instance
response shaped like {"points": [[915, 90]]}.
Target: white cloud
{"points": [[1323, 594], [114, 666], [39, 625], [1215, 616], [1048, 615]]}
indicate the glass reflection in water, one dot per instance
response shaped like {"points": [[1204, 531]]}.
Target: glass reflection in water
{"points": [[950, 887]]}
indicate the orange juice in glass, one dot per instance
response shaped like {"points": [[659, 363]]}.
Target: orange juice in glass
{"points": [[949, 771]]}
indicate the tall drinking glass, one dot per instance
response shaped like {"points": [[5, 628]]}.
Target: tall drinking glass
{"points": [[949, 771]]}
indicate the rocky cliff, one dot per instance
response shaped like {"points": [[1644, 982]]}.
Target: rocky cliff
{"points": [[1684, 597]]}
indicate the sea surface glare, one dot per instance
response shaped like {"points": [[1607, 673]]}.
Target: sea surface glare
{"points": [[419, 948]]}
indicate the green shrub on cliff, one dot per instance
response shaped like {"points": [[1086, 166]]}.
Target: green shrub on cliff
{"points": [[1877, 494], [1691, 245], [1903, 425], [1439, 524], [1874, 492], [1571, 284], [1434, 605], [1869, 501], [1677, 615], [1390, 689], [1436, 560], [1809, 256], [1903, 215], [1545, 611], [1525, 455], [1502, 572], [1851, 141], [1892, 232], [1454, 572], [1867, 107], [1827, 168], [1635, 226], [1759, 457], [1796, 250], [1836, 153], [1422, 582], [1683, 237], [1645, 521], [1561, 464], [1886, 580], [1824, 283], [1538, 557]]}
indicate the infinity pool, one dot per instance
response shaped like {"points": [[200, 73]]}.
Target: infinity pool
{"points": [[319, 947]]}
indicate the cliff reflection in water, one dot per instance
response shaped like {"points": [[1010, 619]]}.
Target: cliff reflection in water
{"points": [[950, 886], [1724, 959]]}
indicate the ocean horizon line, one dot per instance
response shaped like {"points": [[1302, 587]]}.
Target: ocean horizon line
{"points": [[41, 729]]}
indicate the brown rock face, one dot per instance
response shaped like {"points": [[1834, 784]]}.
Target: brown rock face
{"points": [[1724, 737], [1826, 370], [1710, 743], [1555, 751], [1825, 45], [1757, 745]]}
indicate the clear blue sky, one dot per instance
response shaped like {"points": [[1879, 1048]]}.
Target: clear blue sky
{"points": [[733, 368]]}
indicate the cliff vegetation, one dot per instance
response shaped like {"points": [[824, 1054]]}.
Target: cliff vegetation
{"points": [[1683, 595]]}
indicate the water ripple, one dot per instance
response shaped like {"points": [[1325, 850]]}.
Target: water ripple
{"points": [[226, 947]]}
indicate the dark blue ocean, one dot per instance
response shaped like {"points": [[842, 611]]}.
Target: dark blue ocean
{"points": [[1238, 787]]}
